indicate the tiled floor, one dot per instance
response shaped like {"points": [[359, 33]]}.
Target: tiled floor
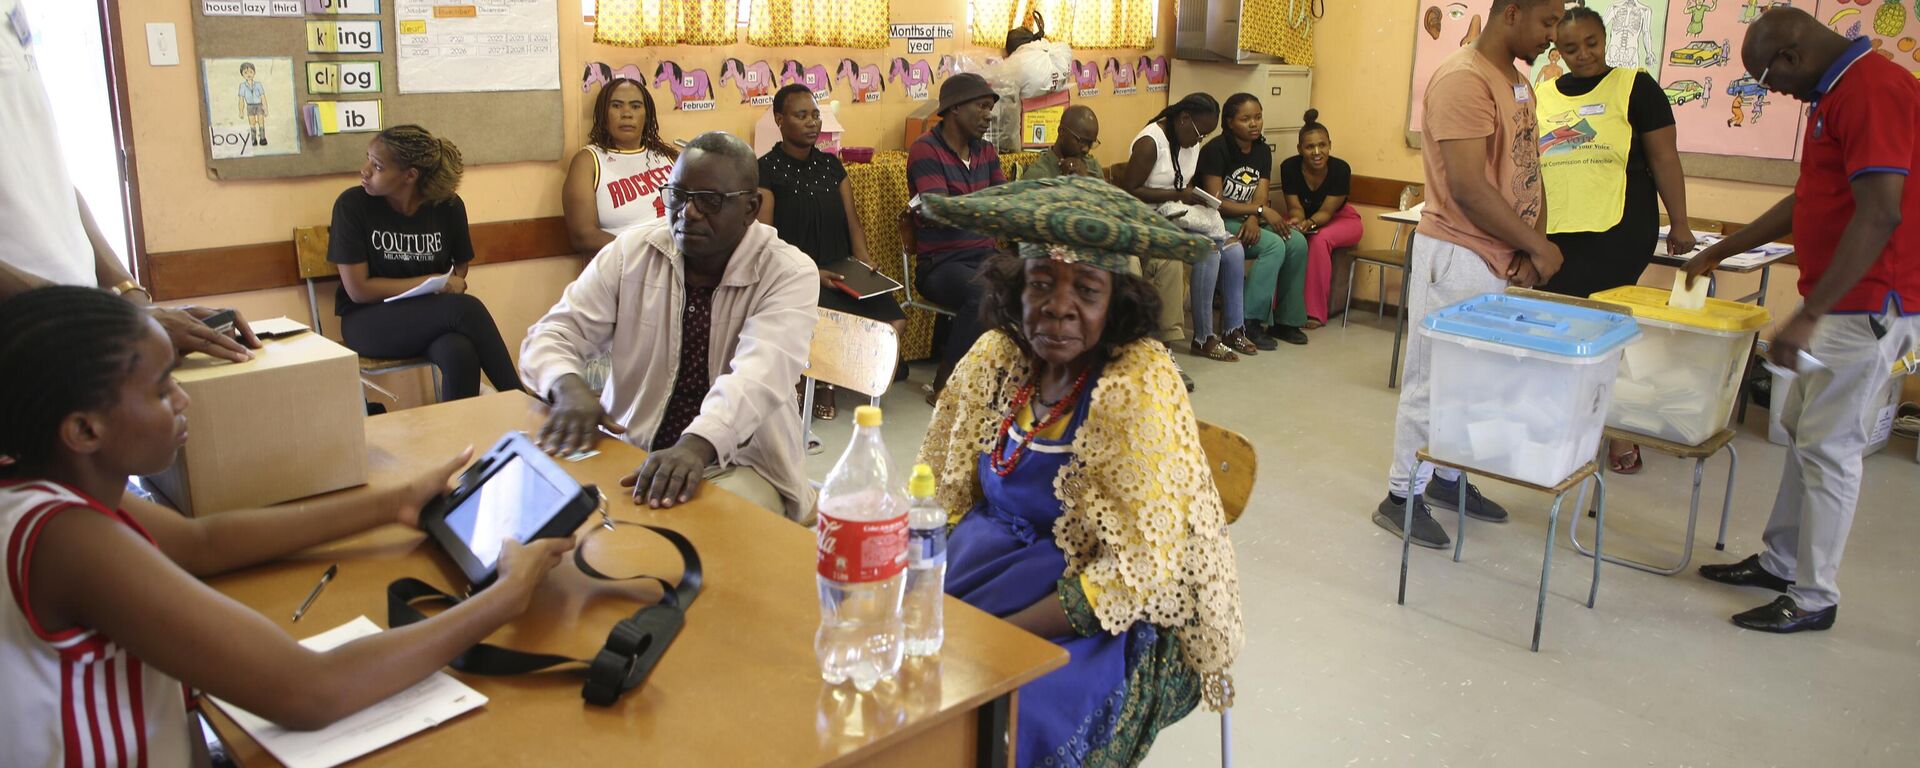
{"points": [[1334, 673]]}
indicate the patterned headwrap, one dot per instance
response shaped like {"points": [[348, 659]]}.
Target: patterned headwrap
{"points": [[1069, 218]]}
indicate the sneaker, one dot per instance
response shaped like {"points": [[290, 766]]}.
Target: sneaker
{"points": [[1237, 341], [1426, 531], [1212, 349], [1184, 378], [1290, 334], [1442, 494], [1260, 339]]}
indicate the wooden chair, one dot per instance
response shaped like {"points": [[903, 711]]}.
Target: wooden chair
{"points": [[909, 248], [850, 352], [310, 250], [1116, 172], [1393, 257], [1231, 458]]}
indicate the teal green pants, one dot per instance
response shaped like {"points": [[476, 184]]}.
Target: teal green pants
{"points": [[1277, 279]]}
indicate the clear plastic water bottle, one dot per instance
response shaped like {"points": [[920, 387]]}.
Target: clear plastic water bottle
{"points": [[926, 565], [862, 537]]}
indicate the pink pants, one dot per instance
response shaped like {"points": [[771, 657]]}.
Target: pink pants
{"points": [[1341, 232]]}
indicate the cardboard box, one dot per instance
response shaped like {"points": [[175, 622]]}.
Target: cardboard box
{"points": [[287, 424]]}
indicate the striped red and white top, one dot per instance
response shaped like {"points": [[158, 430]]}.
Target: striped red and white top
{"points": [[74, 697]]}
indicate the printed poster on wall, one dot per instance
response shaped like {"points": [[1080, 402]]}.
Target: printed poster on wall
{"points": [[250, 107], [1718, 107], [481, 45]]}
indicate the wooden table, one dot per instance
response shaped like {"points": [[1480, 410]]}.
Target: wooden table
{"points": [[739, 687]]}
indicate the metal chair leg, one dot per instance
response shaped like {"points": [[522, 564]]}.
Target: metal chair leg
{"points": [[1380, 293], [1226, 737], [1406, 537], [1546, 569], [1399, 328], [1460, 507], [1726, 504], [806, 412], [1348, 309], [1599, 535]]}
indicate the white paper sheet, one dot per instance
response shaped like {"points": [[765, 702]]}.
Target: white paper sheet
{"points": [[434, 284], [483, 45], [1683, 297], [430, 702], [276, 326]]}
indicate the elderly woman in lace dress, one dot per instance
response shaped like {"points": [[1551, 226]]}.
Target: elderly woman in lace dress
{"points": [[1083, 508]]}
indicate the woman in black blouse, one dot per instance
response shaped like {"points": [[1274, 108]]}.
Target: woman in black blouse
{"points": [[805, 195], [1316, 184]]}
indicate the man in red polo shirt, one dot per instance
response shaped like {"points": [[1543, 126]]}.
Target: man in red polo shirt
{"points": [[1855, 219]]}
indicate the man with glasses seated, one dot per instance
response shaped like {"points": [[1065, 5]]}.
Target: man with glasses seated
{"points": [[707, 315], [1072, 154]]}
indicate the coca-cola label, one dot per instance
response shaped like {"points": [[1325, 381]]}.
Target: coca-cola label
{"points": [[862, 551]]}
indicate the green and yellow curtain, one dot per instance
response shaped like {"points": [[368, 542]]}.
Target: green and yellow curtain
{"points": [[832, 23], [1079, 23], [643, 23], [1282, 28]]}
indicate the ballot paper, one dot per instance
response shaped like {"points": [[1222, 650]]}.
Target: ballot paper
{"points": [[433, 285], [1688, 298], [275, 327], [430, 702]]}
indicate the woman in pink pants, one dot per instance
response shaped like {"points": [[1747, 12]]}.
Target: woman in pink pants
{"points": [[1316, 184]]}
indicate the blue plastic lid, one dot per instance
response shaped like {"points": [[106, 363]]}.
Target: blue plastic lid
{"points": [[1541, 326]]}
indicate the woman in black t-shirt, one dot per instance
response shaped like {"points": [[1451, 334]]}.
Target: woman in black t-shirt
{"points": [[1316, 184], [1237, 167], [804, 194], [401, 228]]}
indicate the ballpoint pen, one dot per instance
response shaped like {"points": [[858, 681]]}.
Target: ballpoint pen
{"points": [[315, 594]]}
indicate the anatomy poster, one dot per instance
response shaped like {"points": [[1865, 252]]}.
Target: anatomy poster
{"points": [[250, 107], [1634, 35], [478, 45]]}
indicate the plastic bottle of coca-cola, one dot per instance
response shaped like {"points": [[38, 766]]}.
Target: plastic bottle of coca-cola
{"points": [[862, 555]]}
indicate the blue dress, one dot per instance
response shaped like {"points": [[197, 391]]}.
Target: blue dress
{"points": [[1105, 705]]}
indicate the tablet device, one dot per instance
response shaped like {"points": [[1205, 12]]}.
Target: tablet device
{"points": [[514, 491]]}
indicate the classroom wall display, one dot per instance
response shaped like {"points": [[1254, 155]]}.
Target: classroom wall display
{"points": [[691, 88], [1152, 69], [863, 79], [815, 78], [488, 45], [915, 77], [352, 86], [1121, 76], [755, 81], [1717, 107], [1086, 78], [600, 73], [250, 107]]}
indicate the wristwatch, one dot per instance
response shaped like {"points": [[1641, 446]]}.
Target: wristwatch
{"points": [[128, 286], [1260, 210]]}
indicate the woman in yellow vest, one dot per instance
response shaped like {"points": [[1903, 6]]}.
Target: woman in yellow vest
{"points": [[1606, 148]]}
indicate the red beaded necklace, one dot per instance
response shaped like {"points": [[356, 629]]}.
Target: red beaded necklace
{"points": [[1004, 467]]}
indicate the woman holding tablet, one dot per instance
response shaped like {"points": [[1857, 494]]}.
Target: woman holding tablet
{"points": [[111, 587]]}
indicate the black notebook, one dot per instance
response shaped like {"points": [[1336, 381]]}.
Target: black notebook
{"points": [[858, 281]]}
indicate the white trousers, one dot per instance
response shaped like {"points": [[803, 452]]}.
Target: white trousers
{"points": [[1442, 275], [1828, 415]]}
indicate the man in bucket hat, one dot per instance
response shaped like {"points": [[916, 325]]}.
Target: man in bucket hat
{"points": [[954, 159]]}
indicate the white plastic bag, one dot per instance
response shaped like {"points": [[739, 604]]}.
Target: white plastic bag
{"points": [[1037, 68], [1198, 219]]}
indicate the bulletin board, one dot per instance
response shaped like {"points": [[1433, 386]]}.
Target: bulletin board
{"points": [[1728, 126], [488, 127]]}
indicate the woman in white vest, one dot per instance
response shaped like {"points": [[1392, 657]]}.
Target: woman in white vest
{"points": [[1606, 148], [614, 182]]}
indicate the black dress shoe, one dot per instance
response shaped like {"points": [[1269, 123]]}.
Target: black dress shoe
{"points": [[1783, 616], [1746, 573]]}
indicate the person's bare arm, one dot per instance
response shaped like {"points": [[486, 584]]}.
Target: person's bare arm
{"points": [[1466, 162], [765, 216], [1296, 210], [1139, 167], [16, 281], [1328, 208], [1663, 156], [856, 229], [1776, 223], [179, 625], [211, 545], [1046, 618], [1876, 214], [577, 203]]}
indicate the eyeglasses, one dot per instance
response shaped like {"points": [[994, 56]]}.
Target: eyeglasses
{"points": [[1091, 144], [1768, 69], [708, 202]]}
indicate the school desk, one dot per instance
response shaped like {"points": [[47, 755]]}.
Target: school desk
{"points": [[740, 686]]}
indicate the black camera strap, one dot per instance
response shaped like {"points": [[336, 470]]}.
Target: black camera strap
{"points": [[634, 645]]}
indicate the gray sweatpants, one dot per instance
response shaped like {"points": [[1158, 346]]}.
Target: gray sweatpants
{"points": [[1443, 274], [1828, 414]]}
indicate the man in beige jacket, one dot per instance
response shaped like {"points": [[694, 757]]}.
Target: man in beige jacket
{"points": [[708, 315]]}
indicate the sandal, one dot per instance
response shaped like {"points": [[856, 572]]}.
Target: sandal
{"points": [[1237, 341], [1312, 324], [1212, 349], [931, 395], [823, 408], [1627, 463]]}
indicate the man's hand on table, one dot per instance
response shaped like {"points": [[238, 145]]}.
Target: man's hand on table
{"points": [[574, 423], [671, 476]]}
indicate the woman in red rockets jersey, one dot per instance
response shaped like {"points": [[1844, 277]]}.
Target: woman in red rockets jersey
{"points": [[613, 183], [107, 619]]}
